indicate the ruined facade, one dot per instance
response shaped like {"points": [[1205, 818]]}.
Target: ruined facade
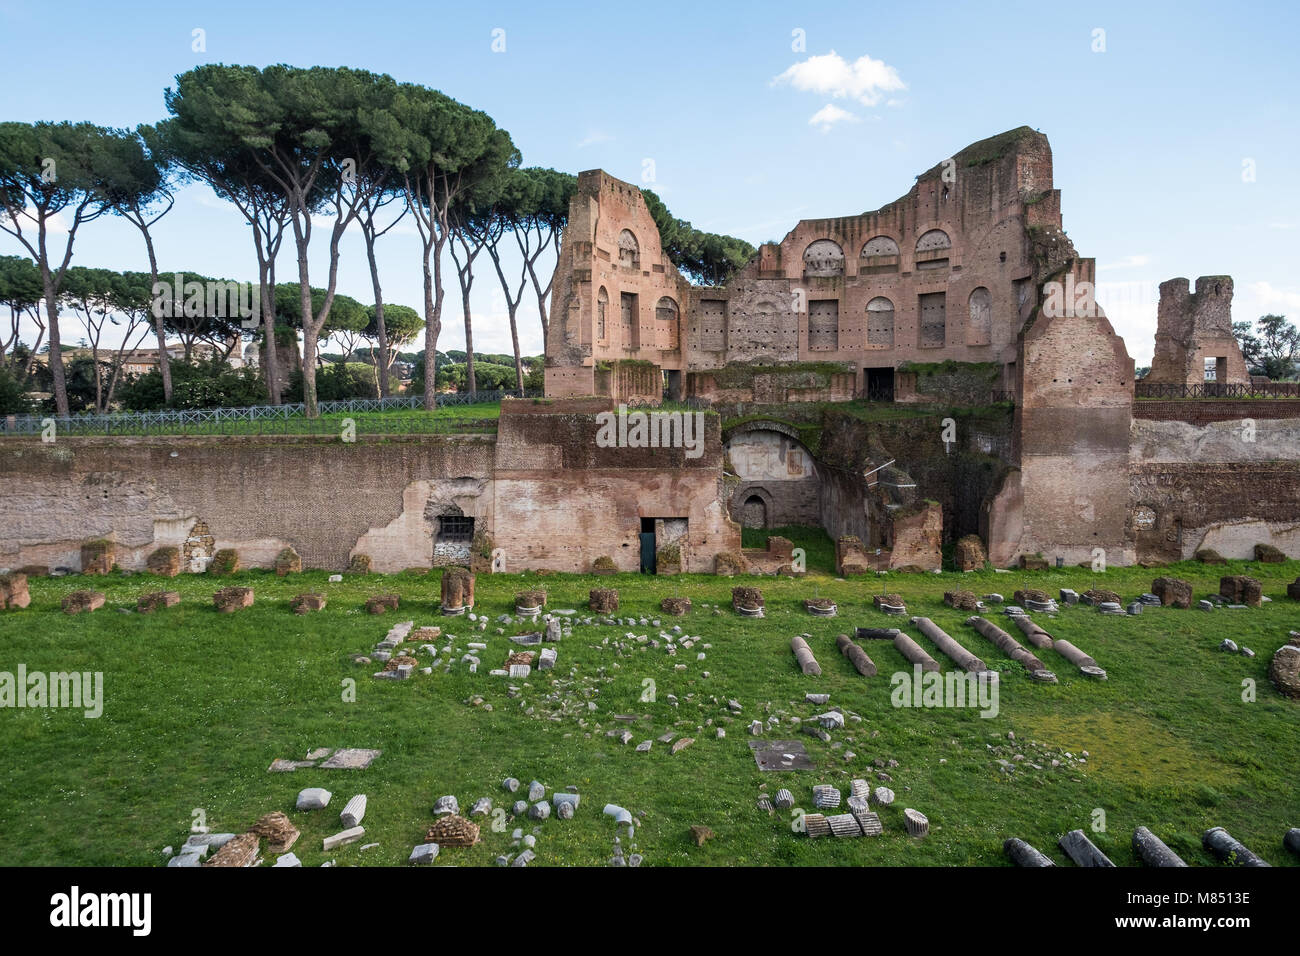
{"points": [[946, 273], [1194, 341], [963, 293]]}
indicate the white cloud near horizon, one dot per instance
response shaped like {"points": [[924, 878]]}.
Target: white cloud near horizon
{"points": [[830, 114], [865, 79]]}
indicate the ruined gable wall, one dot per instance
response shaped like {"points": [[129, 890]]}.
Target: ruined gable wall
{"points": [[596, 254], [1072, 425]]}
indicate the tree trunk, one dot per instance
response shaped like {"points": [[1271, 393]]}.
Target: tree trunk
{"points": [[56, 349], [470, 382], [308, 324], [519, 362], [266, 295], [433, 297], [381, 333], [164, 361]]}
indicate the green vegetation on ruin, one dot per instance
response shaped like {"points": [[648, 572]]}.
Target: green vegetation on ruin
{"points": [[198, 704]]}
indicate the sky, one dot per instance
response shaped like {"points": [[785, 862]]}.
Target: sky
{"points": [[1173, 125]]}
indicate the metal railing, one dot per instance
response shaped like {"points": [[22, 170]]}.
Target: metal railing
{"points": [[267, 419], [1217, 390]]}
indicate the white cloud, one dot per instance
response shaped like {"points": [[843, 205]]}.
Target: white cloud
{"points": [[865, 80], [593, 137], [829, 115], [1128, 262], [1271, 299]]}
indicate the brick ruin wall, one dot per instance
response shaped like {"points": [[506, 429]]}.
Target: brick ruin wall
{"points": [[1225, 486], [943, 273], [1192, 327], [543, 492]]}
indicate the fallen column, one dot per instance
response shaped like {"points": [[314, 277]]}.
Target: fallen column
{"points": [[1078, 658], [856, 655], [1033, 633], [960, 656], [1083, 851], [1153, 851], [1022, 854], [1221, 843], [914, 653], [804, 655], [1010, 646]]}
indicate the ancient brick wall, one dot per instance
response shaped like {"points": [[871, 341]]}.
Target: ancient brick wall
{"points": [[544, 492], [1192, 327], [939, 274], [1220, 485], [561, 499], [615, 294], [1076, 388], [1202, 411], [779, 472], [326, 499]]}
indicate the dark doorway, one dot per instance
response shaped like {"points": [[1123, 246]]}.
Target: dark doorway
{"points": [[754, 514], [672, 385], [879, 384], [648, 548]]}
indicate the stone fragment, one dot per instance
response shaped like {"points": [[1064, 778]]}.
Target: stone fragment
{"points": [[540, 810], [844, 826], [1284, 670], [883, 796], [916, 822], [350, 835], [482, 807], [353, 811], [313, 798], [681, 745], [815, 825], [510, 784], [424, 853], [701, 834], [826, 797], [286, 860], [1172, 592], [447, 804]]}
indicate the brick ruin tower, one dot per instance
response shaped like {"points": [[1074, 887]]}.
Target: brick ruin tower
{"points": [[1194, 340]]}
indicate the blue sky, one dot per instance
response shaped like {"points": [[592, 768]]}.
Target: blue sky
{"points": [[1149, 137]]}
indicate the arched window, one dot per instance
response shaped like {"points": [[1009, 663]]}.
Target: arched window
{"points": [[932, 250], [880, 321], [980, 329], [933, 240], [754, 514], [824, 258], [879, 246], [602, 308], [666, 314], [629, 251]]}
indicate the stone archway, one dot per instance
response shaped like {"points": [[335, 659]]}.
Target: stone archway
{"points": [[753, 513]]}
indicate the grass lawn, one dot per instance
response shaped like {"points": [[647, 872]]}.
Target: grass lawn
{"points": [[198, 704]]}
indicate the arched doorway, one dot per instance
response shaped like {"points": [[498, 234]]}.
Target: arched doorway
{"points": [[754, 513]]}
